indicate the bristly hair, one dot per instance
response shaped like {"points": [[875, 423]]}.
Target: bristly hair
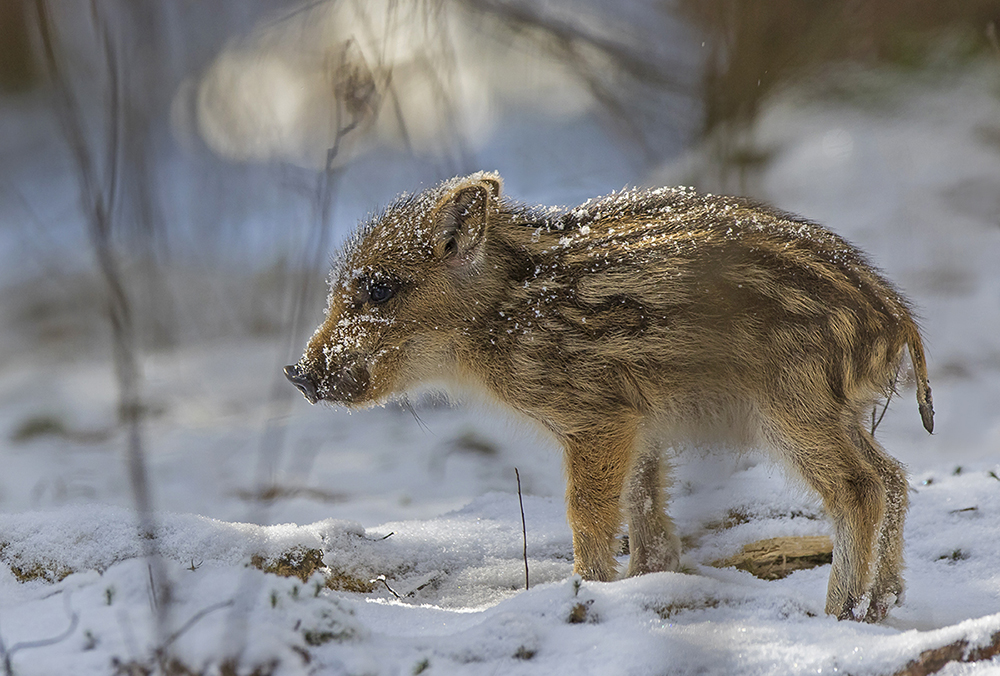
{"points": [[416, 206], [347, 250]]}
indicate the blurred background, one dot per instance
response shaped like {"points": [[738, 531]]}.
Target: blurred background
{"points": [[175, 176]]}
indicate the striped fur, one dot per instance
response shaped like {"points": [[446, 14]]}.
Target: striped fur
{"points": [[633, 323]]}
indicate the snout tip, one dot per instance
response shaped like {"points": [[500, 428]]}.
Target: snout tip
{"points": [[302, 383]]}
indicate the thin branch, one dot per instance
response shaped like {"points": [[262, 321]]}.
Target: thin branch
{"points": [[154, 603], [381, 578], [113, 148], [609, 65], [603, 95], [274, 435], [524, 529], [633, 62], [307, 7], [197, 617], [8, 653]]}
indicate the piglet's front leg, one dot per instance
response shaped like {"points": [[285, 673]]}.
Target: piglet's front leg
{"points": [[596, 466]]}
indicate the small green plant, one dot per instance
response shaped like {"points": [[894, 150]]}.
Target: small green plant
{"points": [[954, 556]]}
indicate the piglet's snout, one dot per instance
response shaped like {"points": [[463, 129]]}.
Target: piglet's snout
{"points": [[302, 382], [347, 383]]}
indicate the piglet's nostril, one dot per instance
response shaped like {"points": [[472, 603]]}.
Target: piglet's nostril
{"points": [[302, 382]]}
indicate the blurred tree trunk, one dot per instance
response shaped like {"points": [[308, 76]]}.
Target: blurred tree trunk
{"points": [[97, 155], [18, 71], [146, 90]]}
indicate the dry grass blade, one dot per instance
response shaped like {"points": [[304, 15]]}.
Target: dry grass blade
{"points": [[775, 558]]}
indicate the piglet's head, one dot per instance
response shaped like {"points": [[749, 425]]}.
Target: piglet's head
{"points": [[400, 293]]}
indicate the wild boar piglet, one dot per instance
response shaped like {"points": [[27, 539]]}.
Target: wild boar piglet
{"points": [[638, 322]]}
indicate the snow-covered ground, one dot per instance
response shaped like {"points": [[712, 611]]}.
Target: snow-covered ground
{"points": [[910, 172]]}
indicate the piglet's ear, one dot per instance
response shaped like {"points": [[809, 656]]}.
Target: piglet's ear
{"points": [[463, 217]]}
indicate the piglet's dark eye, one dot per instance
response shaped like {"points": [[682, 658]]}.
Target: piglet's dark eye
{"points": [[379, 293]]}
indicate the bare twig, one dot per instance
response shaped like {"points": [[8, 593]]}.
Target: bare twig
{"points": [[381, 578], [153, 603], [630, 59], [524, 529], [197, 617], [313, 256], [8, 653], [608, 65]]}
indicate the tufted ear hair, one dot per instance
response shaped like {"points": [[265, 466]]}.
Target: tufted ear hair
{"points": [[462, 217]]}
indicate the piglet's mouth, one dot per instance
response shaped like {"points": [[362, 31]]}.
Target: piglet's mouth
{"points": [[348, 385]]}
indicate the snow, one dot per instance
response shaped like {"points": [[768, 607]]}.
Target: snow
{"points": [[431, 505], [462, 608]]}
